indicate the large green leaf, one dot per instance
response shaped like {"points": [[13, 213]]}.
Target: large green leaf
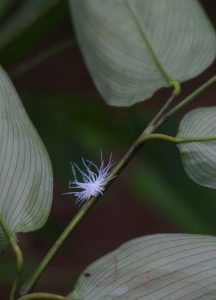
{"points": [[25, 168], [163, 266], [199, 158], [134, 47]]}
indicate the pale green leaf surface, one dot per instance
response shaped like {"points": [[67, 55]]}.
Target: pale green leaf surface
{"points": [[132, 48], [25, 169], [162, 266], [199, 158]]}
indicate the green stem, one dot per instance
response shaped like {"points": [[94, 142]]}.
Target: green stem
{"points": [[148, 44], [51, 253], [41, 296], [19, 257], [164, 137], [88, 205], [144, 137], [176, 91], [192, 96], [195, 139], [29, 285], [185, 101], [41, 57]]}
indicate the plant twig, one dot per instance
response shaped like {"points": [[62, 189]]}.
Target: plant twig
{"points": [[144, 137], [175, 92], [185, 101], [171, 139], [18, 254], [191, 97], [76, 220]]}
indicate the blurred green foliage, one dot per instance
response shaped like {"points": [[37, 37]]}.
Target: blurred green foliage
{"points": [[26, 24], [76, 124]]}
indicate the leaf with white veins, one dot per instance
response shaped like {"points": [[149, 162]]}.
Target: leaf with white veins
{"points": [[132, 48], [154, 267], [26, 180], [199, 158]]}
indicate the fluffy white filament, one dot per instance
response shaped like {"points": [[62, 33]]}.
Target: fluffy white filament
{"points": [[94, 179]]}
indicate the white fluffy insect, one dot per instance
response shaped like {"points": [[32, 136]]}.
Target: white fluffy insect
{"points": [[94, 179]]}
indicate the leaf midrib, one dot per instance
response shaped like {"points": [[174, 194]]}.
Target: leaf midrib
{"points": [[148, 44]]}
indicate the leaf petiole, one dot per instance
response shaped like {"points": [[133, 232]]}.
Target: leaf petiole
{"points": [[19, 257], [191, 97]]}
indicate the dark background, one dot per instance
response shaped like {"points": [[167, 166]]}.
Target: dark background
{"points": [[152, 195]]}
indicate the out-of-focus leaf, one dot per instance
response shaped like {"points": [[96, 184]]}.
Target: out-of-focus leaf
{"points": [[163, 266], [199, 158], [28, 23], [4, 5], [25, 169], [153, 186], [133, 48]]}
